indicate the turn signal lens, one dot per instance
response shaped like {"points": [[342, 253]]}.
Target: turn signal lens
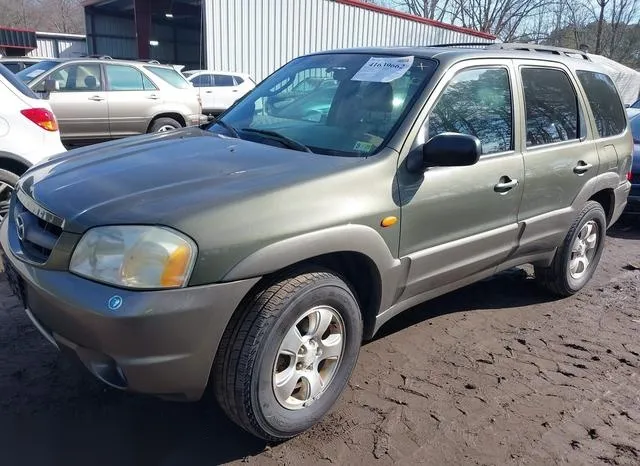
{"points": [[629, 176], [176, 267], [41, 117]]}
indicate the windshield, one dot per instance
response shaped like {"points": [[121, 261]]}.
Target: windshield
{"points": [[636, 104], [29, 74], [171, 76], [345, 104]]}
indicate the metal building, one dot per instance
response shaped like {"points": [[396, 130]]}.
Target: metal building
{"points": [[21, 42], [55, 45], [253, 36]]}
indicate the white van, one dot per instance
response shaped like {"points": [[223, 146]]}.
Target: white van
{"points": [[28, 133]]}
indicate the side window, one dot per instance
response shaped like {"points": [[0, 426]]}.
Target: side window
{"points": [[551, 106], [203, 80], [477, 102], [78, 78], [224, 80], [605, 103], [238, 80], [124, 78], [148, 84]]}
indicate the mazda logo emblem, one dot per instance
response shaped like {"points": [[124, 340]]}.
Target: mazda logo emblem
{"points": [[20, 228]]}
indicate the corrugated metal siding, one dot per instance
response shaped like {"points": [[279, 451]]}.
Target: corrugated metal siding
{"points": [[59, 48], [259, 36]]}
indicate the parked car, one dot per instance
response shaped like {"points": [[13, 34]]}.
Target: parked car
{"points": [[252, 256], [633, 203], [28, 133], [302, 90], [17, 64], [98, 99], [219, 89]]}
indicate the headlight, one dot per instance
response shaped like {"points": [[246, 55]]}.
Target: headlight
{"points": [[143, 257]]}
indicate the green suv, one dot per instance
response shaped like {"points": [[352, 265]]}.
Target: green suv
{"points": [[249, 258]]}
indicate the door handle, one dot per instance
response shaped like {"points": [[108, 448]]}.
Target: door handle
{"points": [[208, 92], [234, 90], [506, 184], [581, 168], [96, 98], [153, 97]]}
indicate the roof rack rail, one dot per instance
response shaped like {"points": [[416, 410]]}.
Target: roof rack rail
{"points": [[463, 44], [541, 48], [101, 57]]}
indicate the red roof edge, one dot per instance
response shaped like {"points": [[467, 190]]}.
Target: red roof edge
{"points": [[417, 19], [16, 29]]}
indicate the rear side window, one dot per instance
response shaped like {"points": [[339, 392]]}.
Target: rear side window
{"points": [[239, 80], [477, 102], [551, 106], [17, 83], [126, 78], [605, 103], [224, 80], [170, 75]]}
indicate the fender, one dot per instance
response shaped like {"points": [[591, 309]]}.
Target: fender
{"points": [[347, 238], [607, 180]]}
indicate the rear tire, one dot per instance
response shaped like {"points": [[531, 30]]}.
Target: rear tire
{"points": [[271, 392], [8, 182], [162, 125], [577, 259]]}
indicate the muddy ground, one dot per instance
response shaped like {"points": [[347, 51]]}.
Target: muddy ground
{"points": [[496, 373]]}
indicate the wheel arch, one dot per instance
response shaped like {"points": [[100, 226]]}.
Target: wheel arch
{"points": [[14, 163], [357, 253], [173, 115]]}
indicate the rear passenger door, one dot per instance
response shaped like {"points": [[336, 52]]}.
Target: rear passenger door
{"points": [[132, 98], [559, 153], [227, 90]]}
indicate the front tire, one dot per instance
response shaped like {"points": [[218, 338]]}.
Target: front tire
{"points": [[287, 355], [577, 259]]}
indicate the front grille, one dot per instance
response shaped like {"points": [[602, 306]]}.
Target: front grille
{"points": [[38, 236]]}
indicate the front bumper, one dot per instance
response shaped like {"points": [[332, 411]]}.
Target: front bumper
{"points": [[157, 342]]}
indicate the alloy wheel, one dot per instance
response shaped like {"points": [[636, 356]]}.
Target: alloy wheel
{"points": [[308, 357], [583, 250]]}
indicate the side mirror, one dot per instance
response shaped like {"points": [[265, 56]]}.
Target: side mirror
{"points": [[51, 85], [446, 150]]}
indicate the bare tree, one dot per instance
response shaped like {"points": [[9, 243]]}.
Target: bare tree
{"points": [[433, 9]]}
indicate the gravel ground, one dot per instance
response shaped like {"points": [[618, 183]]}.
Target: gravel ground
{"points": [[496, 373]]}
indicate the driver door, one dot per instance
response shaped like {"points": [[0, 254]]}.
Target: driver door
{"points": [[458, 222], [80, 104]]}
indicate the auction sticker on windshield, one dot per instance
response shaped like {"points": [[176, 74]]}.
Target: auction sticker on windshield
{"points": [[383, 69]]}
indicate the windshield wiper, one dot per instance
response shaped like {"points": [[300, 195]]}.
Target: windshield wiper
{"points": [[228, 127], [291, 143]]}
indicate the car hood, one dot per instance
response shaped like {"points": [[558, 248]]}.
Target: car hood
{"points": [[164, 178]]}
